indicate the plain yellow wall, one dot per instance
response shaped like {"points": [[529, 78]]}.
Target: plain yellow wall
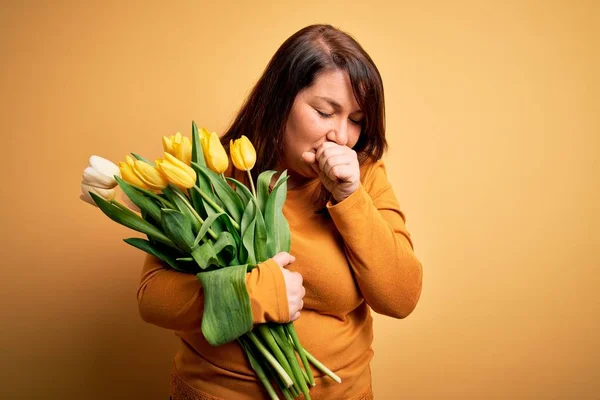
{"points": [[494, 139]]}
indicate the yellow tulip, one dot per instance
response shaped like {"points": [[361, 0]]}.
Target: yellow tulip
{"points": [[242, 153], [128, 174], [179, 146], [149, 175], [215, 154], [204, 139], [176, 171], [168, 142]]}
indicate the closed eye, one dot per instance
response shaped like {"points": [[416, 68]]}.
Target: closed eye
{"points": [[352, 121], [324, 115]]}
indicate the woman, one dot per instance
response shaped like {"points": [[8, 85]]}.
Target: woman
{"points": [[317, 112]]}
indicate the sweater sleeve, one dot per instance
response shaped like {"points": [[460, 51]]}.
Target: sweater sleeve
{"points": [[175, 300], [378, 246]]}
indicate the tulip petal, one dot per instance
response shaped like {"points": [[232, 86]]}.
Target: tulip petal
{"points": [[104, 166], [88, 199], [216, 157], [178, 176], [106, 194], [129, 175], [94, 178], [167, 144], [150, 175]]}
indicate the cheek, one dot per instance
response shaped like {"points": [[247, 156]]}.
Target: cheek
{"points": [[353, 136], [307, 128]]}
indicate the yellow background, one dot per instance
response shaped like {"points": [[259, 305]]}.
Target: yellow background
{"points": [[494, 139]]}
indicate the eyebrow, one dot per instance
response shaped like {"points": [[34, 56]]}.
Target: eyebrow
{"points": [[337, 105]]}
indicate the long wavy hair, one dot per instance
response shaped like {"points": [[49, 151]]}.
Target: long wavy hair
{"points": [[294, 67]]}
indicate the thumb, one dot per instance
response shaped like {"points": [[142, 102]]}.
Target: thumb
{"points": [[310, 158]]}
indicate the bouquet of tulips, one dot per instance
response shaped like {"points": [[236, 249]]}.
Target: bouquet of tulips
{"points": [[198, 221]]}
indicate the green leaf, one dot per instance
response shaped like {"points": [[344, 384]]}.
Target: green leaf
{"points": [[248, 243], [248, 231], [226, 243], [162, 252], [264, 181], [205, 255], [138, 198], [241, 189], [261, 241], [276, 224], [227, 310], [231, 200], [138, 157], [179, 228], [197, 153], [206, 226], [128, 218], [180, 200]]}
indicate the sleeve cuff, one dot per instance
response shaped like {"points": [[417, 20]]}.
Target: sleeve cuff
{"points": [[267, 291]]}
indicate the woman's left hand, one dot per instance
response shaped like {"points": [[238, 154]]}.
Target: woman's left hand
{"points": [[337, 167]]}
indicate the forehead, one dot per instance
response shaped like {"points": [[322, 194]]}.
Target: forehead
{"points": [[334, 85]]}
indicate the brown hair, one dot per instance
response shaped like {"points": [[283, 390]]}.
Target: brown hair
{"points": [[294, 67]]}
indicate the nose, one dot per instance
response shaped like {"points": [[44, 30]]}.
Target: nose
{"points": [[339, 134]]}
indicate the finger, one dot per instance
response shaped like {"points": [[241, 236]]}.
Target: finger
{"points": [[303, 291], [295, 316], [343, 173], [283, 259], [335, 161], [327, 149], [311, 159], [301, 305]]}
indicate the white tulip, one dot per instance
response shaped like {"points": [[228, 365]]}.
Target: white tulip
{"points": [[106, 194], [100, 173]]}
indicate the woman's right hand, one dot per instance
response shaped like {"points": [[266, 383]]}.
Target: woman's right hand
{"points": [[293, 284]]}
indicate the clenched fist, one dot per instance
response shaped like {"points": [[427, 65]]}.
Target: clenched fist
{"points": [[337, 167]]}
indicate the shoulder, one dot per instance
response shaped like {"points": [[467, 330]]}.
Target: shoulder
{"points": [[371, 170], [373, 177]]}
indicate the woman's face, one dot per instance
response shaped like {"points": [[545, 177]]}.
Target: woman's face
{"points": [[324, 111]]}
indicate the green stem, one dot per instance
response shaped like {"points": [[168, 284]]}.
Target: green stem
{"points": [[216, 207], [251, 183], [293, 361], [292, 331], [259, 370], [194, 213], [321, 367], [270, 359], [267, 335]]}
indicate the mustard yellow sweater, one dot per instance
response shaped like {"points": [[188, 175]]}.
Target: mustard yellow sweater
{"points": [[360, 258]]}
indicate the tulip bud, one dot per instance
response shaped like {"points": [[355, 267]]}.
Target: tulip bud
{"points": [[215, 155], [128, 174], [183, 151], [204, 139], [176, 171], [101, 173], [242, 153], [149, 175], [106, 194], [178, 146]]}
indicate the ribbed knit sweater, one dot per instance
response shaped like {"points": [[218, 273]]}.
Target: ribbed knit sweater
{"points": [[356, 259]]}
